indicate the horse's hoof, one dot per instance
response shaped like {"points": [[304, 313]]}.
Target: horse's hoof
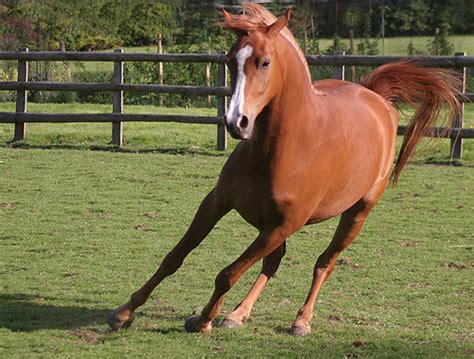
{"points": [[300, 330], [118, 320], [230, 323], [194, 325]]}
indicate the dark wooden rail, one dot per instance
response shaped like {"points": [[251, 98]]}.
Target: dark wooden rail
{"points": [[94, 86], [338, 61]]}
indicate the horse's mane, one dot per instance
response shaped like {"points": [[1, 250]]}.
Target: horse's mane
{"points": [[257, 17]]}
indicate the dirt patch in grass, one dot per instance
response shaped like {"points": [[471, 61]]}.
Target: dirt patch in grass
{"points": [[349, 263], [452, 265], [88, 336]]}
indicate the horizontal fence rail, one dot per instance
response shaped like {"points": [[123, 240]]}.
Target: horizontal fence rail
{"points": [[443, 132], [109, 56], [12, 117], [356, 60], [316, 60], [94, 86], [338, 61]]}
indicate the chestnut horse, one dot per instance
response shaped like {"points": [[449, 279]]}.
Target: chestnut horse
{"points": [[310, 151]]}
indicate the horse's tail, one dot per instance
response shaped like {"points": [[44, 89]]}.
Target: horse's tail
{"points": [[425, 89]]}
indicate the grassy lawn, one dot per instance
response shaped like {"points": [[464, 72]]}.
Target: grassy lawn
{"points": [[84, 224], [397, 46], [138, 136]]}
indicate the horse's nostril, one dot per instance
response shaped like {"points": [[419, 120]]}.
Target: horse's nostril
{"points": [[244, 122]]}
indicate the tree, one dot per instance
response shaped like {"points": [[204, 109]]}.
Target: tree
{"points": [[147, 20], [303, 26], [16, 27], [367, 45], [409, 16], [439, 45]]}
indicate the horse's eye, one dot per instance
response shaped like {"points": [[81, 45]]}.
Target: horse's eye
{"points": [[265, 64]]}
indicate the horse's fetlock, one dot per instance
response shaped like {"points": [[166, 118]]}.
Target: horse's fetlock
{"points": [[137, 299]]}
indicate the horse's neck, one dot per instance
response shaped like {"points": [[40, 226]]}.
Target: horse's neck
{"points": [[283, 118]]}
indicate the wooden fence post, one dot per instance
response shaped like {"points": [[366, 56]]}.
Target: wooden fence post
{"points": [[456, 139], [117, 126], [338, 71], [21, 100], [208, 69], [352, 52], [208, 80], [160, 67], [221, 107]]}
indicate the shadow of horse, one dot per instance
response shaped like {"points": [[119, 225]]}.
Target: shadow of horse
{"points": [[109, 148], [26, 313]]}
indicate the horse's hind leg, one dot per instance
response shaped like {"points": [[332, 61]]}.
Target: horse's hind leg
{"points": [[241, 313], [348, 228], [209, 212]]}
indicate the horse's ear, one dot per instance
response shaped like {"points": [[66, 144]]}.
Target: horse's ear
{"points": [[229, 23], [280, 23], [227, 16]]}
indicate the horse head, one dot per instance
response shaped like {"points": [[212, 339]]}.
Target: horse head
{"points": [[255, 68]]}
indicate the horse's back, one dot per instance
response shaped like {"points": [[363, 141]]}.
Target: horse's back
{"points": [[356, 99], [328, 84], [359, 127]]}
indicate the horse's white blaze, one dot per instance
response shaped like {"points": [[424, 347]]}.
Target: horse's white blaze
{"points": [[236, 106]]}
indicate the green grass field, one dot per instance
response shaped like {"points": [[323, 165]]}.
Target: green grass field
{"points": [[397, 46], [83, 224]]}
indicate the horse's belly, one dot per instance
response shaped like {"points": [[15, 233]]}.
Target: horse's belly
{"points": [[324, 211], [256, 206]]}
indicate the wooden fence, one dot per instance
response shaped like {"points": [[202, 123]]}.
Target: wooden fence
{"points": [[21, 116]]}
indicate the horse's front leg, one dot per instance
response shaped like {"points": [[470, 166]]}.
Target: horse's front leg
{"points": [[267, 242], [241, 313], [210, 211]]}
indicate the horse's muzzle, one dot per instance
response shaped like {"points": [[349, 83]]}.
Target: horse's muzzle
{"points": [[238, 129]]}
